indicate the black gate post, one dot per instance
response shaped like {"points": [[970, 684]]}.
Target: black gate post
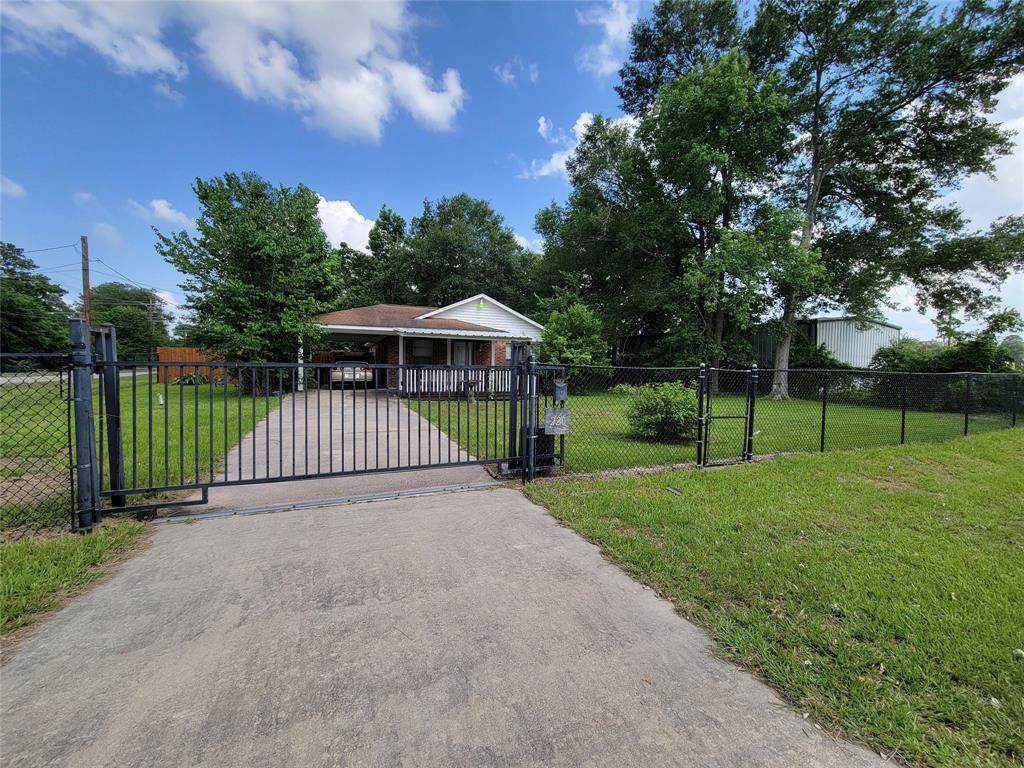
{"points": [[824, 409], [531, 419], [748, 448], [86, 513], [903, 411], [701, 386], [513, 405], [112, 407], [967, 401]]}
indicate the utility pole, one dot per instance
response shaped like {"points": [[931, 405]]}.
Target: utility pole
{"points": [[86, 290]]}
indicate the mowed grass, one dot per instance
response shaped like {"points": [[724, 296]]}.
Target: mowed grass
{"points": [[170, 436], [881, 590], [38, 575], [600, 435]]}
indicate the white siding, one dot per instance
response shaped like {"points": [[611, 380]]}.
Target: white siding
{"points": [[492, 316], [852, 345]]}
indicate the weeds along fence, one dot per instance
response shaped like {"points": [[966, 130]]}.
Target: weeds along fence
{"points": [[644, 417], [36, 466]]}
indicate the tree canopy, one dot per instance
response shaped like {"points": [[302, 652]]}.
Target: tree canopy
{"points": [[791, 159], [33, 315], [138, 315], [259, 269]]}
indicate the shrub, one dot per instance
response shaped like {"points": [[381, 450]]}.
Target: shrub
{"points": [[625, 389], [191, 379], [665, 412]]}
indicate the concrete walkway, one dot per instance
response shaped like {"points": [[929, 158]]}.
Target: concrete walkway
{"points": [[339, 431], [454, 630]]}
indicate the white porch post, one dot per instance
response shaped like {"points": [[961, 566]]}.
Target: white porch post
{"points": [[401, 360], [493, 358], [449, 357], [302, 370]]}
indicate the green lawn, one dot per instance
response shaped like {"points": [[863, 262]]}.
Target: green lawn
{"points": [[38, 575], [881, 590], [34, 441], [600, 436]]}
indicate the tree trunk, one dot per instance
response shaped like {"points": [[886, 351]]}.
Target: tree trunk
{"points": [[780, 380], [718, 330]]}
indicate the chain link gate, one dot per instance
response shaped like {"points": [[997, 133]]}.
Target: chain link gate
{"points": [[737, 418]]}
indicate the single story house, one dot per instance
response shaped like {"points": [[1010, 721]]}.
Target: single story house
{"points": [[847, 340], [476, 331]]}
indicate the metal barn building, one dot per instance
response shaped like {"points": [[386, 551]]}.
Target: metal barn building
{"points": [[848, 343]]}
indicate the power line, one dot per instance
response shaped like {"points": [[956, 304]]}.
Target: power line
{"points": [[52, 248], [133, 282]]}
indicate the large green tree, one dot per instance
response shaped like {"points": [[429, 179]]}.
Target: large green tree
{"points": [[460, 246], [258, 270], [379, 275], [138, 314], [33, 315], [889, 102]]}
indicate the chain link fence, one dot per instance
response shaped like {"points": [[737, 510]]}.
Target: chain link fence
{"points": [[653, 417], [36, 478]]}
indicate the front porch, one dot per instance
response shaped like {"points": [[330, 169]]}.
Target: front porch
{"points": [[428, 366]]}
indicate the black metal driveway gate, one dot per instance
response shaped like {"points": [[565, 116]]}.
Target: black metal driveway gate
{"points": [[147, 429]]}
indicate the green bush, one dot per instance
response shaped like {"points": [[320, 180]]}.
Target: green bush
{"points": [[664, 412], [191, 380]]}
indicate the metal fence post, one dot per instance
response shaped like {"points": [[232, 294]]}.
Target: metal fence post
{"points": [[752, 378], [1013, 401], [531, 438], [513, 406], [87, 493], [824, 410], [701, 386], [903, 411], [112, 404], [967, 401]]}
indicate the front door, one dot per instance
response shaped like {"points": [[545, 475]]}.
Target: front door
{"points": [[460, 352]]}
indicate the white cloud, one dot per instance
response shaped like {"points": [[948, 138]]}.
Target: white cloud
{"points": [[544, 127], [508, 72], [162, 88], [616, 18], [342, 223], [984, 199], [162, 210], [555, 164], [338, 65], [83, 199], [106, 233], [536, 245], [173, 305], [11, 188]]}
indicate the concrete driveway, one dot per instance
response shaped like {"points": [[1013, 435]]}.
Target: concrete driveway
{"points": [[459, 629], [340, 430]]}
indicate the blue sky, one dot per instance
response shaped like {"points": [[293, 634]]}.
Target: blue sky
{"points": [[110, 111]]}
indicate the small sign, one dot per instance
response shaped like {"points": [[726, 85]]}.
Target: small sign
{"points": [[556, 421], [561, 391]]}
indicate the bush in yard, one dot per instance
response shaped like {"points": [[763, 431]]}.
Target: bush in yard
{"points": [[572, 336], [665, 412]]}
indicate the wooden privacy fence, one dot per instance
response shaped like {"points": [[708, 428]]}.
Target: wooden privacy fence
{"points": [[185, 355]]}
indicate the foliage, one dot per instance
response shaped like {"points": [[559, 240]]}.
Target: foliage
{"points": [[380, 276], [573, 336], [137, 314], [772, 126], [665, 412], [191, 379], [977, 352], [877, 590], [259, 270], [460, 246], [41, 574], [33, 315], [1014, 347]]}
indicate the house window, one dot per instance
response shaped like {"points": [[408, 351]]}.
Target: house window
{"points": [[422, 351]]}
